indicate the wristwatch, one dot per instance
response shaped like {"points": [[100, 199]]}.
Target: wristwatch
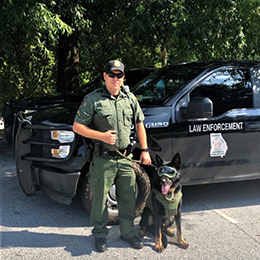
{"points": [[145, 150]]}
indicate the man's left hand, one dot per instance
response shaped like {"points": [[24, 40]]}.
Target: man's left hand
{"points": [[145, 158]]}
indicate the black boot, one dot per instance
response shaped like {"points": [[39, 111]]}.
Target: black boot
{"points": [[101, 244], [134, 241]]}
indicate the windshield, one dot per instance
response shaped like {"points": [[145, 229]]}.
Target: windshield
{"points": [[162, 84]]}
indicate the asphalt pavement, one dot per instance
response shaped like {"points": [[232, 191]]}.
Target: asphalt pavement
{"points": [[220, 221]]}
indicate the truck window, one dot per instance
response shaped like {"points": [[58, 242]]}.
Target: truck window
{"points": [[227, 89], [162, 84]]}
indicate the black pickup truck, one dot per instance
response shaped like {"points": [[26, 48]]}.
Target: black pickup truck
{"points": [[208, 112]]}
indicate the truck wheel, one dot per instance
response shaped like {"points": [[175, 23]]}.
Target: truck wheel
{"points": [[143, 189]]}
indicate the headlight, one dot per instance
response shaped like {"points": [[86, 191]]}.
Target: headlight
{"points": [[62, 152], [62, 137]]}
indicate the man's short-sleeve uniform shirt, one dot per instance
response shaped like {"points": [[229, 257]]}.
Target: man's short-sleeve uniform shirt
{"points": [[101, 111]]}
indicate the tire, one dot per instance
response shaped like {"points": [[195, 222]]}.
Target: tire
{"points": [[143, 188]]}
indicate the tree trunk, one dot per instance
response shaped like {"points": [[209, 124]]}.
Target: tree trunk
{"points": [[68, 64], [164, 55]]}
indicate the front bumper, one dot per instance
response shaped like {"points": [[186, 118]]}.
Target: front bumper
{"points": [[58, 177]]}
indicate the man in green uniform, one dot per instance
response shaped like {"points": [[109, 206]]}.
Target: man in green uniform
{"points": [[105, 116]]}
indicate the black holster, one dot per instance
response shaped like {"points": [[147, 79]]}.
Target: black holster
{"points": [[130, 148], [98, 149]]}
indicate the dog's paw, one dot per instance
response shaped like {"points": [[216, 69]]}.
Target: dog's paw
{"points": [[184, 244], [159, 248], [142, 232], [169, 232]]}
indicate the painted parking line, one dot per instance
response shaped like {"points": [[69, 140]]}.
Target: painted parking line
{"points": [[217, 211]]}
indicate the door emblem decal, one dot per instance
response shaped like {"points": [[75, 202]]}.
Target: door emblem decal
{"points": [[218, 145]]}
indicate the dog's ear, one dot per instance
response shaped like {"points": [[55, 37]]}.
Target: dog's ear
{"points": [[159, 161], [176, 161]]}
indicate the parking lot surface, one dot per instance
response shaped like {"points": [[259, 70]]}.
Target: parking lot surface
{"points": [[220, 221]]}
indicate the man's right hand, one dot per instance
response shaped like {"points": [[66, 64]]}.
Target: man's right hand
{"points": [[109, 137]]}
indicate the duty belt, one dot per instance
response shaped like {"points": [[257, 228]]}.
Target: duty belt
{"points": [[114, 153], [105, 152]]}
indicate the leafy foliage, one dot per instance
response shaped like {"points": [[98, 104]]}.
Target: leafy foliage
{"points": [[139, 32], [28, 48]]}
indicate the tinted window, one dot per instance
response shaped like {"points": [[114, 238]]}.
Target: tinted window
{"points": [[227, 89], [159, 86]]}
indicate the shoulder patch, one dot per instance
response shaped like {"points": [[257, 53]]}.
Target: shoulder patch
{"points": [[84, 103]]}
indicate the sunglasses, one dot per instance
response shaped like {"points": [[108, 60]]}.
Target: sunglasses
{"points": [[112, 75], [167, 171]]}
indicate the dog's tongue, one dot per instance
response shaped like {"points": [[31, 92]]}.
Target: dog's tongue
{"points": [[165, 188]]}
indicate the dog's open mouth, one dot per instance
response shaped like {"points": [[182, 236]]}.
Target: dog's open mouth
{"points": [[165, 188]]}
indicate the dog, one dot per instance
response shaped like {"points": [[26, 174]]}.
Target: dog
{"points": [[163, 205]]}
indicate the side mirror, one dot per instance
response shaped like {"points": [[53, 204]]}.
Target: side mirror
{"points": [[200, 107]]}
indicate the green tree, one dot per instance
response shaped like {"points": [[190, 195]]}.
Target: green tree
{"points": [[223, 29], [48, 46], [28, 41]]}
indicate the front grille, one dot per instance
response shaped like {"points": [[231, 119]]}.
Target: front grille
{"points": [[40, 143]]}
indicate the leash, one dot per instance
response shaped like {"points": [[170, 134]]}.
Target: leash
{"points": [[129, 159]]}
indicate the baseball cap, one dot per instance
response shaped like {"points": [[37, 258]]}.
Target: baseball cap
{"points": [[114, 65]]}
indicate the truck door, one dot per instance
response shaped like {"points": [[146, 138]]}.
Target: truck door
{"points": [[224, 146]]}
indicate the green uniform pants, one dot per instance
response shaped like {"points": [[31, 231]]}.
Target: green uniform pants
{"points": [[103, 173]]}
